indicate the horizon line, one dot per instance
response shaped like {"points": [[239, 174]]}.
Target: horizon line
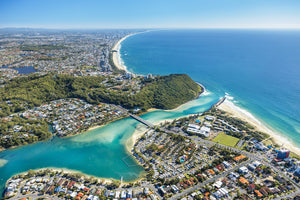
{"points": [[149, 28]]}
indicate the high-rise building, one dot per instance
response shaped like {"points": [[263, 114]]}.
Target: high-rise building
{"points": [[283, 153]]}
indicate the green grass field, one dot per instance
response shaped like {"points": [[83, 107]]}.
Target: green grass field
{"points": [[227, 140]]}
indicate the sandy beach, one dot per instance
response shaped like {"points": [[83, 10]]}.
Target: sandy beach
{"points": [[117, 56], [229, 107], [139, 131], [69, 171], [94, 127]]}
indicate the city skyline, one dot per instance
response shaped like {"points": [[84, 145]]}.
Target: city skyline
{"points": [[149, 14]]}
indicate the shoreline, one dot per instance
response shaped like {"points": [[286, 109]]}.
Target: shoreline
{"points": [[92, 127], [238, 112], [226, 106], [69, 171], [140, 131], [129, 144], [72, 171], [67, 136], [116, 56], [203, 92]]}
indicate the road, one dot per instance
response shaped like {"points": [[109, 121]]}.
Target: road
{"points": [[291, 195], [145, 122], [251, 156], [185, 192]]}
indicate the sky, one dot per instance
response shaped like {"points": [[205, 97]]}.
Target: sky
{"points": [[150, 13]]}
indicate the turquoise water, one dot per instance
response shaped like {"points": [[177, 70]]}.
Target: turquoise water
{"points": [[260, 69], [99, 152]]}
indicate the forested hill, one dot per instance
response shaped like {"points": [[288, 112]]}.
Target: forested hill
{"points": [[165, 92], [168, 92]]}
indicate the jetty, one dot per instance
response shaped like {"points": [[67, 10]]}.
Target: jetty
{"points": [[219, 102]]}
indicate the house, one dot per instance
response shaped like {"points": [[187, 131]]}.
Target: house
{"points": [[251, 167], [71, 184], [57, 189], [243, 170], [226, 164], [117, 195], [220, 167], [282, 188], [256, 164], [258, 193], [265, 191], [90, 197], [260, 146], [251, 187], [80, 194], [218, 184], [221, 193], [239, 158], [87, 190], [106, 193], [162, 191], [174, 188], [210, 171], [138, 191], [245, 197], [153, 197], [111, 194], [210, 118], [275, 190], [233, 176], [244, 181], [194, 126], [123, 195], [129, 194], [146, 191]]}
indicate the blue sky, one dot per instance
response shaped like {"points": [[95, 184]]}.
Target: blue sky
{"points": [[150, 13]]}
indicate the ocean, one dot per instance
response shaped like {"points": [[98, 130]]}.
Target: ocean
{"points": [[259, 70]]}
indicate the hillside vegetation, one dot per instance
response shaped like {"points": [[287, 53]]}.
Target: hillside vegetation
{"points": [[164, 92]]}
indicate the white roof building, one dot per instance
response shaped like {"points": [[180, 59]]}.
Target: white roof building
{"points": [[243, 170]]}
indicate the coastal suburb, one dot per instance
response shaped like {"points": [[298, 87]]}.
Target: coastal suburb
{"points": [[54, 90]]}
